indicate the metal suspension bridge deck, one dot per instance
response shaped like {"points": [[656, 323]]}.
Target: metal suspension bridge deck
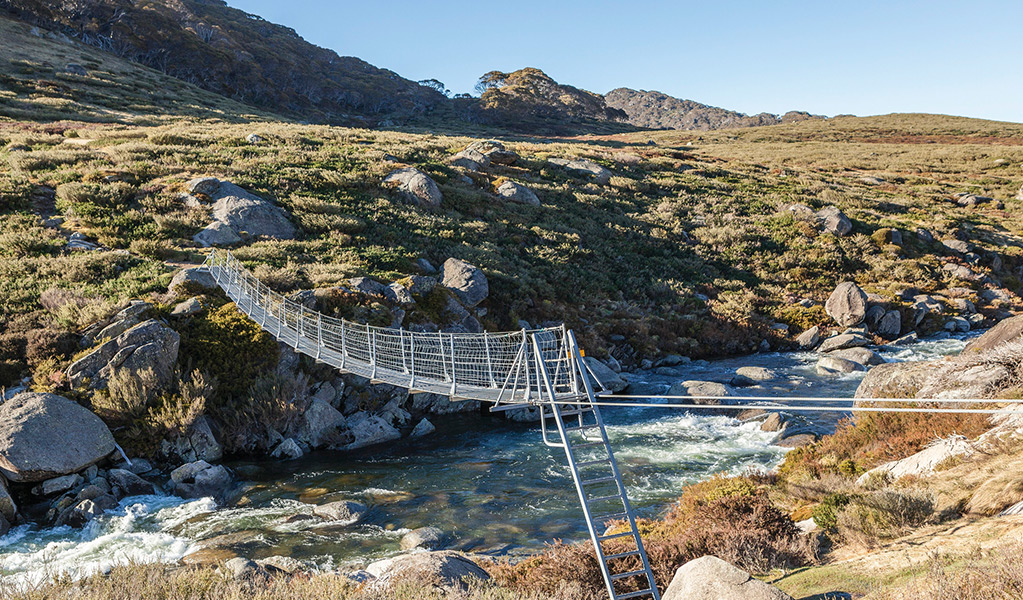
{"points": [[540, 367]]}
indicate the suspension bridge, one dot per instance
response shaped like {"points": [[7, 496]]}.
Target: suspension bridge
{"points": [[541, 368]]}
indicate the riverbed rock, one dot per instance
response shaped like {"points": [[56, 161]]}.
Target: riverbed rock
{"points": [[809, 339], [703, 392], [148, 345], [710, 578], [429, 538], [1004, 331], [321, 425], [368, 430], [43, 436], [865, 357], [424, 427], [847, 305], [237, 212], [449, 570], [287, 450], [516, 192], [84, 511], [347, 511], [414, 186], [200, 479], [126, 483], [607, 378], [833, 365], [467, 281], [8, 508], [57, 485], [875, 312], [890, 325], [583, 168], [843, 341]]}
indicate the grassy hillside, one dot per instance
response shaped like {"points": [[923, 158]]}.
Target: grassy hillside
{"points": [[688, 248], [37, 85]]}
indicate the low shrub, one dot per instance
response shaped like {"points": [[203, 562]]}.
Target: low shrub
{"points": [[825, 514], [728, 517]]}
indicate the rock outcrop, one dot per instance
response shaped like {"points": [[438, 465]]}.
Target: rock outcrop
{"points": [[148, 345], [583, 168], [237, 213], [449, 570], [608, 379], [516, 192], [710, 578], [43, 436], [1006, 330]]}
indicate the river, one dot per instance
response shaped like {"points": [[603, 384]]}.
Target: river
{"points": [[490, 483]]}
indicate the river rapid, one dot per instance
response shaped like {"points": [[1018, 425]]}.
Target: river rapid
{"points": [[490, 483]]}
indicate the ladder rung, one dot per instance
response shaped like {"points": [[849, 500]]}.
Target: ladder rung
{"points": [[604, 538], [588, 444], [647, 592], [572, 413], [607, 518], [603, 498], [621, 554], [629, 574], [598, 480], [581, 427], [589, 463]]}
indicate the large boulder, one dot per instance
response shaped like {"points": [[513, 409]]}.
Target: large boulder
{"points": [[1005, 331], [516, 192], [415, 186], [924, 462], [191, 280], [809, 339], [471, 159], [126, 483], [710, 578], [43, 436], [236, 211], [847, 305], [607, 378], [449, 570], [583, 168], [703, 392], [865, 357], [148, 345], [467, 281], [895, 380], [321, 425]]}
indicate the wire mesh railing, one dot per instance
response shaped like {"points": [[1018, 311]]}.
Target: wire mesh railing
{"points": [[498, 367]]}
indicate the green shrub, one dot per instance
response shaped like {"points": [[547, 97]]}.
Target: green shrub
{"points": [[883, 515], [825, 514], [14, 192], [92, 201]]}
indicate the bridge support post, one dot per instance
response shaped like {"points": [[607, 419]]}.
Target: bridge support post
{"points": [[490, 364], [344, 344], [371, 338], [319, 335], [454, 382], [412, 359]]}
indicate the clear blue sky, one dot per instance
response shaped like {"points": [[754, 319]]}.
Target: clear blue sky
{"points": [[828, 57]]}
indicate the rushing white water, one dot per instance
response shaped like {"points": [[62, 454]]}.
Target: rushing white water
{"points": [[490, 483], [135, 532]]}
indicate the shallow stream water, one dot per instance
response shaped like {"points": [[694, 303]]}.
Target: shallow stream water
{"points": [[490, 483]]}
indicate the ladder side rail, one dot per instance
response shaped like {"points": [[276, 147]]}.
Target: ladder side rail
{"points": [[541, 373], [617, 473]]}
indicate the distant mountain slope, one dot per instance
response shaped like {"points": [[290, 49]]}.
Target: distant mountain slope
{"points": [[530, 100], [661, 111], [49, 77], [235, 54]]}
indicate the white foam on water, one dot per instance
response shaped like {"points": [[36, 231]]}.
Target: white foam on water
{"points": [[135, 532]]}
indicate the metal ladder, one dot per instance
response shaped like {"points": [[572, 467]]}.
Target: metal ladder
{"points": [[581, 432]]}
